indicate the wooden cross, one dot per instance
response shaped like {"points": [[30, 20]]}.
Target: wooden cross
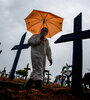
{"points": [[27, 68], [0, 50], [48, 77], [76, 37], [48, 74], [19, 48], [44, 76]]}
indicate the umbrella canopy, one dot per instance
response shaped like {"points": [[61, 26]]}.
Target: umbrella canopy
{"points": [[36, 20]]}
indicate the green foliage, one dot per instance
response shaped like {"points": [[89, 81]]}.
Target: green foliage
{"points": [[22, 73]]}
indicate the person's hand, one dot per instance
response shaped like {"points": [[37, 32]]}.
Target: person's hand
{"points": [[42, 37], [50, 62]]}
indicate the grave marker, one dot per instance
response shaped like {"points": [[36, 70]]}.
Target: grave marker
{"points": [[48, 76], [27, 68], [19, 48], [0, 50], [76, 37]]}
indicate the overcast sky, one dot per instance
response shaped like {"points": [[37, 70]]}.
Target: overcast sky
{"points": [[12, 27]]}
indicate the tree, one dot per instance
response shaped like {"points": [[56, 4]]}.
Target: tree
{"points": [[67, 72]]}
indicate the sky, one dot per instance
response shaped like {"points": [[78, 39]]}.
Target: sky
{"points": [[12, 27]]}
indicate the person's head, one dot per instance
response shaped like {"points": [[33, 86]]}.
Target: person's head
{"points": [[44, 31]]}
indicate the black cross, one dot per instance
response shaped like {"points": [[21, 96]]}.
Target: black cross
{"points": [[19, 48], [48, 76], [26, 69], [0, 50], [76, 37]]}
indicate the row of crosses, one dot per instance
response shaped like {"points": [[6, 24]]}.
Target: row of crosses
{"points": [[76, 37]]}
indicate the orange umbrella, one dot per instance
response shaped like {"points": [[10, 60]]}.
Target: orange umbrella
{"points": [[36, 20]]}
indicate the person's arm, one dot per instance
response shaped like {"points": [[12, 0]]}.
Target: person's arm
{"points": [[49, 54]]}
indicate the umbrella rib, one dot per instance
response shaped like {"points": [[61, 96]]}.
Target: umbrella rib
{"points": [[48, 30], [54, 25], [46, 16], [41, 27], [34, 24], [50, 18], [41, 15], [34, 18], [54, 17]]}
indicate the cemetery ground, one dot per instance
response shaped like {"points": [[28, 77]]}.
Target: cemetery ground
{"points": [[13, 90]]}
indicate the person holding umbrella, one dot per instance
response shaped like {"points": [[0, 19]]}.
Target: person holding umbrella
{"points": [[39, 50], [42, 24]]}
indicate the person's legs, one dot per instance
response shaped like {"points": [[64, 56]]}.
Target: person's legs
{"points": [[38, 84], [37, 73], [29, 83]]}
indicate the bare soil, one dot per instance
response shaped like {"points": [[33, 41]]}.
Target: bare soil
{"points": [[10, 90]]}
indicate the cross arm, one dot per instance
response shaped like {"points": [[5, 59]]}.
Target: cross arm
{"points": [[72, 37], [48, 74], [46, 70], [24, 46], [0, 51], [26, 69]]}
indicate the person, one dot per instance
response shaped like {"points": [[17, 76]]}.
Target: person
{"points": [[3, 72], [39, 50]]}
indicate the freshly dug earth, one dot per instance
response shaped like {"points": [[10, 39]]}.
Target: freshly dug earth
{"points": [[10, 90]]}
